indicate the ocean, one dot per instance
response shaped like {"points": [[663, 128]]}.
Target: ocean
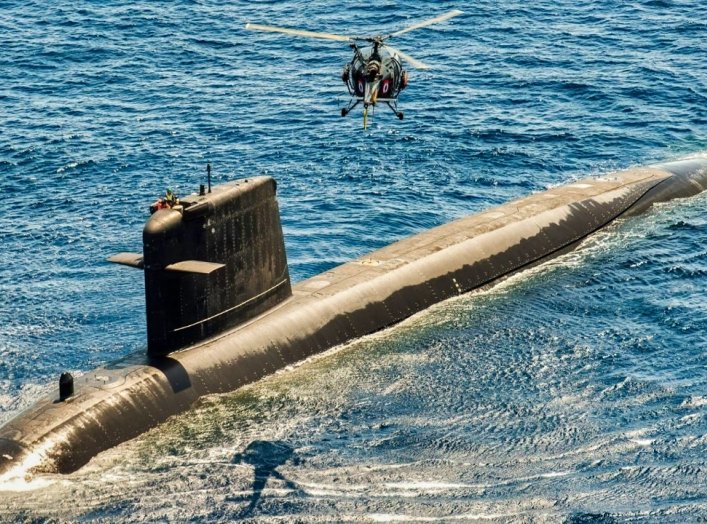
{"points": [[575, 392]]}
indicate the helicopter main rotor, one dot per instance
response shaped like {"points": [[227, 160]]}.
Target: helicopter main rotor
{"points": [[378, 40], [425, 23]]}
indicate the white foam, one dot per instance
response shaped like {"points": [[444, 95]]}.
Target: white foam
{"points": [[553, 474], [689, 419], [427, 485], [18, 484], [696, 401]]}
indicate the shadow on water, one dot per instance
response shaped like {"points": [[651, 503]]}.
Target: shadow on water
{"points": [[590, 518], [265, 457]]}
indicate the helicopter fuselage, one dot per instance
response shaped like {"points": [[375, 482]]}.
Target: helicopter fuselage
{"points": [[374, 74]]}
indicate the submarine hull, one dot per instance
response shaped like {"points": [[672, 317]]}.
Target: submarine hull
{"points": [[120, 401]]}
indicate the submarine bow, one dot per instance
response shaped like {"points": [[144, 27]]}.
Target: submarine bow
{"points": [[221, 312]]}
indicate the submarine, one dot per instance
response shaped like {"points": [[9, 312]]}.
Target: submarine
{"points": [[222, 312]]}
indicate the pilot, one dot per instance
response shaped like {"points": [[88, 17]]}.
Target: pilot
{"points": [[168, 201], [170, 198]]}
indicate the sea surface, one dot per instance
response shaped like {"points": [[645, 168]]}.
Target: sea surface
{"points": [[575, 392]]}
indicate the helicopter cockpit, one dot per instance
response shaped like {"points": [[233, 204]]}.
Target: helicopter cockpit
{"points": [[384, 71]]}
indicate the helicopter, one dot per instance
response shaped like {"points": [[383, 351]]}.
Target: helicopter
{"points": [[374, 74]]}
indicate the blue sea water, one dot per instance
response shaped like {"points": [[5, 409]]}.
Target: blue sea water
{"points": [[576, 392]]}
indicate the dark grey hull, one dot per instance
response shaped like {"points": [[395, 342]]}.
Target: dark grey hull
{"points": [[117, 403]]}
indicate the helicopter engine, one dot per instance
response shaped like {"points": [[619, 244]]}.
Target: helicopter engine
{"points": [[373, 68]]}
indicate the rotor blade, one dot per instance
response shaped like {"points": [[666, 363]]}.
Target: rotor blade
{"points": [[425, 23], [297, 32], [414, 62]]}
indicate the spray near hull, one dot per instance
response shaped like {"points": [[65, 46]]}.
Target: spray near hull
{"points": [[246, 328]]}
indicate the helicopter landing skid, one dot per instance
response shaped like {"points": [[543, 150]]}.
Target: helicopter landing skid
{"points": [[394, 109], [346, 110]]}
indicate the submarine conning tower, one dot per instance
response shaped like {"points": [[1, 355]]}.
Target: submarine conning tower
{"points": [[213, 262]]}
